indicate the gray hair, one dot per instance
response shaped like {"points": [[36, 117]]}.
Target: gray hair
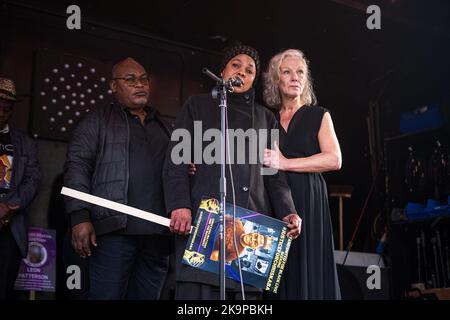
{"points": [[271, 92]]}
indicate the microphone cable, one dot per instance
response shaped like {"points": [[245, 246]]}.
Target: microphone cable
{"points": [[234, 206]]}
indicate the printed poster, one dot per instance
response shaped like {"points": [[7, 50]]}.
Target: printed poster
{"points": [[38, 270], [261, 245]]}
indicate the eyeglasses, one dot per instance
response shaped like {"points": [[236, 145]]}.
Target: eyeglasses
{"points": [[134, 81]]}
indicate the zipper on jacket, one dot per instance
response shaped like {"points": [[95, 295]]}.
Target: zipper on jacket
{"points": [[127, 160]]}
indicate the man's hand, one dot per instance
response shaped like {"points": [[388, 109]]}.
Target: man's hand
{"points": [[6, 213], [294, 224], [180, 221], [83, 235], [4, 210]]}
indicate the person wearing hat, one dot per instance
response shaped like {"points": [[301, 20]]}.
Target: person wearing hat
{"points": [[19, 183], [183, 193]]}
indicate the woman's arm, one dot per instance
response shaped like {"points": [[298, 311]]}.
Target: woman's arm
{"points": [[329, 159]]}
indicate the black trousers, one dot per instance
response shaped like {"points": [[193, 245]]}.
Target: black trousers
{"points": [[130, 267], [10, 258]]}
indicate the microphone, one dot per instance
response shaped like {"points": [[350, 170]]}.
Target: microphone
{"points": [[235, 82], [229, 84]]}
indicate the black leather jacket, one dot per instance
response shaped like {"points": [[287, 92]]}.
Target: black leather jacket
{"points": [[97, 163]]}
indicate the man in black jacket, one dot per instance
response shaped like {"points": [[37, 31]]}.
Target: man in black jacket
{"points": [[269, 194], [19, 183], [117, 152]]}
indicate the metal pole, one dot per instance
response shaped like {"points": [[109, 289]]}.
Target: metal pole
{"points": [[341, 223], [221, 91], [223, 189]]}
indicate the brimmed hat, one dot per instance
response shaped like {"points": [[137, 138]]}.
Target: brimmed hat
{"points": [[236, 49], [7, 90]]}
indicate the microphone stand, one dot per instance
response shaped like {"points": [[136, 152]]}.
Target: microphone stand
{"points": [[425, 260], [419, 263], [220, 91], [441, 259]]}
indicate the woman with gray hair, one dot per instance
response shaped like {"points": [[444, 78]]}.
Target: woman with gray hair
{"points": [[308, 147]]}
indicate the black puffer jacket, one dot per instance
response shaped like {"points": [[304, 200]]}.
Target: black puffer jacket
{"points": [[25, 182], [97, 163]]}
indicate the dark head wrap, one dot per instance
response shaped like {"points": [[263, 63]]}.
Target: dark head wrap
{"points": [[237, 49]]}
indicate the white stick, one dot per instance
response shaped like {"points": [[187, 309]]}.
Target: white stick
{"points": [[115, 206]]}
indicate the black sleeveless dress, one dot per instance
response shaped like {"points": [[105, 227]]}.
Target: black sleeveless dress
{"points": [[311, 270]]}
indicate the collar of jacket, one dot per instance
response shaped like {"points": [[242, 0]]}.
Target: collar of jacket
{"points": [[247, 97], [151, 112], [5, 129]]}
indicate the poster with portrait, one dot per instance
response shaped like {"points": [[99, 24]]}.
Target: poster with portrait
{"points": [[38, 270], [261, 245]]}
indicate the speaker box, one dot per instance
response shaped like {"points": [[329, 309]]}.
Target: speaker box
{"points": [[353, 276]]}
